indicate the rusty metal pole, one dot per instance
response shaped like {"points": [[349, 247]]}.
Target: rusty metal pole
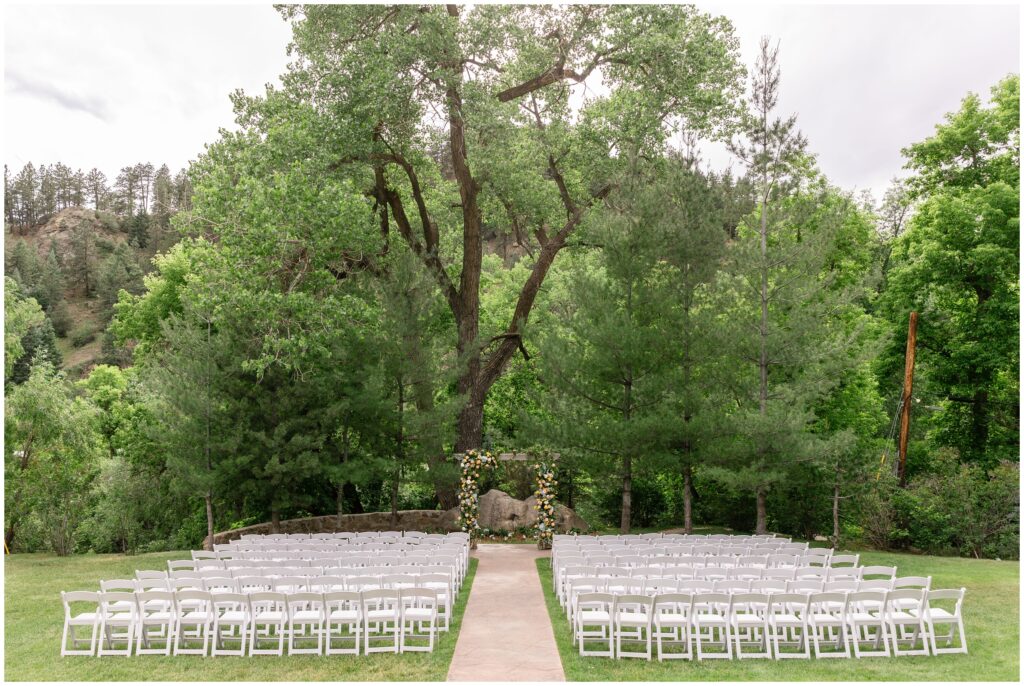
{"points": [[908, 387]]}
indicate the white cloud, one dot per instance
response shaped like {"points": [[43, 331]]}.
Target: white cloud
{"points": [[111, 85]]}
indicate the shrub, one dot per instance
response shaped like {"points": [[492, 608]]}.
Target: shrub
{"points": [[83, 335]]}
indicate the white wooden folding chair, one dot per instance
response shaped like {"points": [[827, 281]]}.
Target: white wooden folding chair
{"points": [[269, 616], [710, 616], [343, 611], [192, 609], [230, 611], [592, 621], [419, 619], [382, 619], [904, 615], [306, 611], [787, 624], [862, 616], [671, 625], [827, 622], [748, 623], [155, 610], [935, 615], [118, 610], [632, 616], [89, 618]]}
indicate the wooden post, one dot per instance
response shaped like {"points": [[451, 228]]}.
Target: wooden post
{"points": [[908, 387]]}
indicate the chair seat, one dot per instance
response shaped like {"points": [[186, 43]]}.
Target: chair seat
{"points": [[594, 616], [785, 618], [748, 620], [156, 616], [632, 619], [382, 614], [269, 617], [233, 616], [306, 616], [709, 618], [420, 613], [84, 618], [864, 617], [344, 615], [934, 613], [195, 616]]}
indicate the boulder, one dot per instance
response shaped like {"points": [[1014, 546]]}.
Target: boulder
{"points": [[499, 510]]}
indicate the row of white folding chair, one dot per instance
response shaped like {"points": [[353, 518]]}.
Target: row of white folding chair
{"points": [[823, 556], [873, 573], [341, 546], [660, 535], [185, 617], [782, 560], [310, 573], [339, 534], [448, 559], [655, 586], [309, 560], [770, 622]]}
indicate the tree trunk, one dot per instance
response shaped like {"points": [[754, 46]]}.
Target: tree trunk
{"points": [[209, 520], [9, 536], [761, 527], [688, 499], [341, 507], [275, 520], [627, 494], [394, 498], [835, 515]]}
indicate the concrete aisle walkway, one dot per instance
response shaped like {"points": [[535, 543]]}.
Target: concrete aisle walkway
{"points": [[506, 633]]}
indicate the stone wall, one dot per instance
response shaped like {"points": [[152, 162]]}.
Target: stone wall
{"points": [[498, 510], [408, 520]]}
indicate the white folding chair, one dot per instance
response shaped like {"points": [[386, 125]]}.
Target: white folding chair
{"points": [[632, 616], [787, 624], [936, 615], [344, 620], [748, 623], [592, 620], [710, 615], [118, 610], [89, 618], [306, 611], [230, 611], [382, 618], [671, 625], [155, 609], [903, 611], [269, 616], [827, 622], [861, 617], [419, 619], [192, 609]]}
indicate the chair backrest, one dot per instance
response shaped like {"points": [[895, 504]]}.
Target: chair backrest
{"points": [[109, 598], [924, 582], [942, 595], [362, 583], [192, 597], [143, 585], [157, 601], [696, 586], [128, 585], [869, 596], [180, 564], [204, 555], [420, 596], [810, 573], [805, 586], [749, 573], [732, 585], [746, 602], [380, 595], [768, 585], [714, 603], [874, 585], [68, 597], [149, 574], [270, 600], [290, 584], [843, 574], [224, 600], [254, 584], [788, 603], [828, 602], [915, 595], [872, 571], [713, 573], [842, 586], [221, 584], [185, 574], [303, 599], [633, 603], [844, 560]]}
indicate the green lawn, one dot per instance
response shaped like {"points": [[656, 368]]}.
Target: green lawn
{"points": [[991, 614], [34, 619]]}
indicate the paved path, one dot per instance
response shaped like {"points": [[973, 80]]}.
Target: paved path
{"points": [[506, 633]]}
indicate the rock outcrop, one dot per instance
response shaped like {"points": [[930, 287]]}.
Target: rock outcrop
{"points": [[499, 510]]}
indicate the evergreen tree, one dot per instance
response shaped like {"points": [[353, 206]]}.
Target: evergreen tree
{"points": [[120, 271]]}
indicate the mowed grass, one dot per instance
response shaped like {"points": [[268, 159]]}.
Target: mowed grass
{"points": [[991, 616], [34, 619]]}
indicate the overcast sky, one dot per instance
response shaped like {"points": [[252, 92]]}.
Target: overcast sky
{"points": [[112, 85]]}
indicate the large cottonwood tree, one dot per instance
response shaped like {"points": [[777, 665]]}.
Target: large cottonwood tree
{"points": [[456, 122]]}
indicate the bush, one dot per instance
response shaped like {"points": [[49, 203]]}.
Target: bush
{"points": [[60, 317], [83, 335], [648, 505]]}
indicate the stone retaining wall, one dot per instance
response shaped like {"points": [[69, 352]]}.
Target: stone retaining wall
{"points": [[408, 520]]}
